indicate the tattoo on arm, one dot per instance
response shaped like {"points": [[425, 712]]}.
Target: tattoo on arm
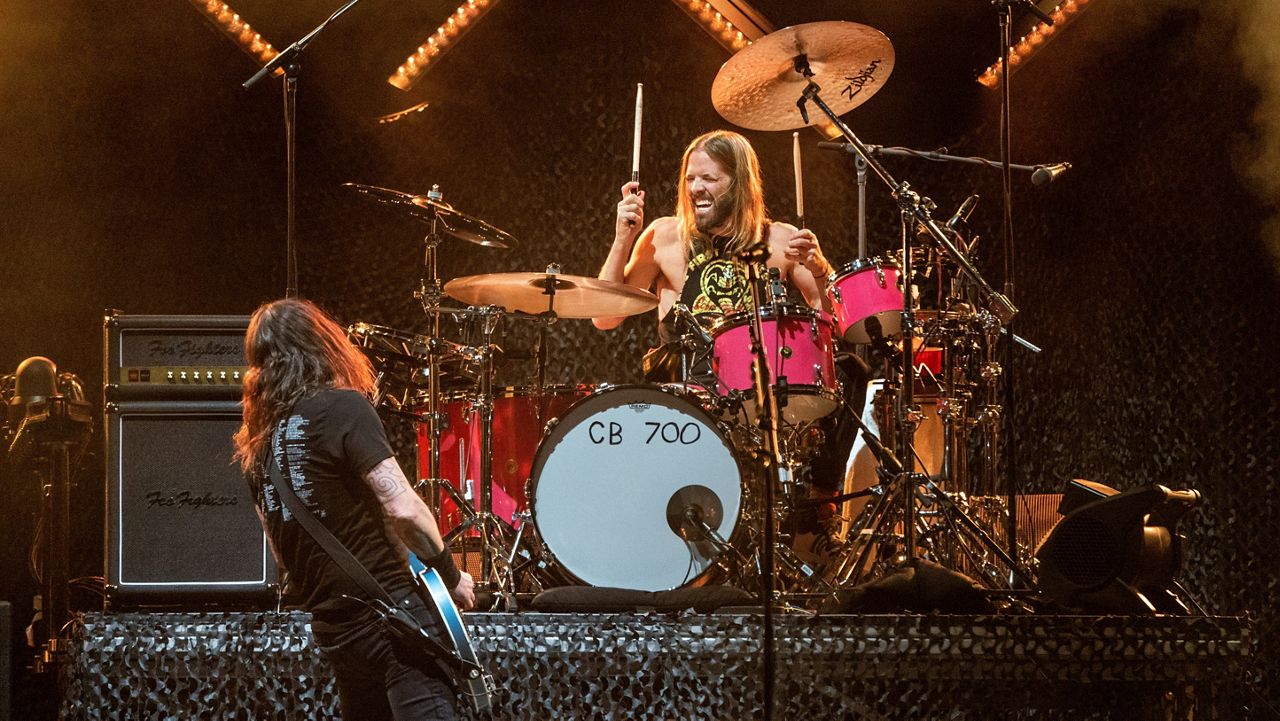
{"points": [[387, 480]]}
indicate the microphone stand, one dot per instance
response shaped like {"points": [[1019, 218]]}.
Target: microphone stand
{"points": [[1045, 170], [1005, 12], [287, 62], [771, 456]]}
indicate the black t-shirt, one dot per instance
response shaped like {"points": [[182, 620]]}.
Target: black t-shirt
{"points": [[328, 442]]}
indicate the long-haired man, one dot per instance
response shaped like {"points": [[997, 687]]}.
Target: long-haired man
{"points": [[307, 408]]}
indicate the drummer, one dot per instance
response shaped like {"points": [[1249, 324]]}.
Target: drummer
{"points": [[720, 216], [691, 259]]}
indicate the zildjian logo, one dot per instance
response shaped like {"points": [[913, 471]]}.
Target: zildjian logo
{"points": [[859, 81]]}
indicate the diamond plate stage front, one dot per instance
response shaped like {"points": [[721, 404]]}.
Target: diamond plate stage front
{"points": [[652, 666]]}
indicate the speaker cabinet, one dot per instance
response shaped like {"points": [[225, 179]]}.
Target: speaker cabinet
{"points": [[181, 525]]}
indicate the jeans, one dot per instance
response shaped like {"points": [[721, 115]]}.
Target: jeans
{"points": [[380, 679]]}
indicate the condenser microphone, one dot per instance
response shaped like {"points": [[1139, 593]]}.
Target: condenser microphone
{"points": [[684, 314], [1044, 174], [963, 212]]}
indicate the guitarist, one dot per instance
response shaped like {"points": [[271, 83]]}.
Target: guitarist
{"points": [[307, 403]]}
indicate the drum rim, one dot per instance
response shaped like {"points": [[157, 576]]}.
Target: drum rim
{"points": [[772, 311], [523, 391], [857, 265], [539, 461], [362, 330]]}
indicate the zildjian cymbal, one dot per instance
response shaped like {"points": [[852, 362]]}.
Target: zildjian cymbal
{"points": [[760, 86]]}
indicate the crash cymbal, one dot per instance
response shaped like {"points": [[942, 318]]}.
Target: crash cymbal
{"points": [[574, 296], [759, 86], [452, 221]]}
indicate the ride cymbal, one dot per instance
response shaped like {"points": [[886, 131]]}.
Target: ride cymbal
{"points": [[452, 221], [569, 296], [758, 87]]}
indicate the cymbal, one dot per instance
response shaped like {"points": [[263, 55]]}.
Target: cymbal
{"points": [[574, 296], [452, 221], [759, 86]]}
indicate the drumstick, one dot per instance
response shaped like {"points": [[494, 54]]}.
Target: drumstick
{"points": [[795, 156], [635, 143], [635, 146]]}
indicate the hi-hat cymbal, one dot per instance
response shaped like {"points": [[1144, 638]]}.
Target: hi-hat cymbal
{"points": [[452, 221], [759, 86], [569, 296]]}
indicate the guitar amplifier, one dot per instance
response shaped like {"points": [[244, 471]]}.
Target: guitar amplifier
{"points": [[181, 527], [171, 357]]}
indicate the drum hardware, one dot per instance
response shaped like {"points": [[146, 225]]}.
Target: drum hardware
{"points": [[738, 92]]}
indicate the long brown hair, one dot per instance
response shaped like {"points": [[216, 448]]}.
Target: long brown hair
{"points": [[294, 349], [735, 154]]}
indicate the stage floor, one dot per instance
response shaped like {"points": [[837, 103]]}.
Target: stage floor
{"points": [[691, 666]]}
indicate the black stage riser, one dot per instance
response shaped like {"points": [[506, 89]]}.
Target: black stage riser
{"points": [[631, 666]]}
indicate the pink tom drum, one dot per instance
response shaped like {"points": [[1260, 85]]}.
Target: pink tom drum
{"points": [[798, 345], [519, 417], [866, 299]]}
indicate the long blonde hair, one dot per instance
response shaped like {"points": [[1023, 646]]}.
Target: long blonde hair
{"points": [[294, 349], [746, 225]]}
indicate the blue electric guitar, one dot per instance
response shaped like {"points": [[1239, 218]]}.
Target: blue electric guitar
{"points": [[471, 679]]}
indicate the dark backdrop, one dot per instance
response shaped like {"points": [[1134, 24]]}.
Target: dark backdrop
{"points": [[136, 174]]}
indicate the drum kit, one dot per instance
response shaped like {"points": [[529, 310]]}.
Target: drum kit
{"points": [[662, 486]]}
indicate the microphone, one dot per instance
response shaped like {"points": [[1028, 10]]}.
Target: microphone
{"points": [[963, 212], [694, 512], [1045, 174], [684, 314], [849, 148]]}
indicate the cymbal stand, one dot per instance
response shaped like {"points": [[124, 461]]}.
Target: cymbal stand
{"points": [[487, 523], [429, 293]]}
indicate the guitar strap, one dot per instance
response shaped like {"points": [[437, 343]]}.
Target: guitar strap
{"points": [[391, 612]]}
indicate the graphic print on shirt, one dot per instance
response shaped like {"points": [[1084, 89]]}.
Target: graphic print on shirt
{"points": [[290, 448], [715, 286]]}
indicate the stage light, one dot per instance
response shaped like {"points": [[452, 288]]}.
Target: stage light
{"points": [[233, 26], [439, 42], [1115, 551], [732, 23], [1035, 38]]}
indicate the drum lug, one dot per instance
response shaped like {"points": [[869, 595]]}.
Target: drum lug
{"points": [[879, 272], [834, 291], [817, 375]]}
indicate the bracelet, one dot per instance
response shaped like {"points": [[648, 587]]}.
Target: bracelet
{"points": [[444, 565]]}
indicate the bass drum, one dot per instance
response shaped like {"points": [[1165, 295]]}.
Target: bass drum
{"points": [[617, 483]]}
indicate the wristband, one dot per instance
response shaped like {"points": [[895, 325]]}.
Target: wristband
{"points": [[444, 565]]}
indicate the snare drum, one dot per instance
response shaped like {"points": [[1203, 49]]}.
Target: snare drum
{"points": [[866, 299], [519, 417], [798, 345], [617, 479]]}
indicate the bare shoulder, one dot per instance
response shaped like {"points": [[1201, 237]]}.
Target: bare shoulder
{"points": [[664, 232], [780, 231]]}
